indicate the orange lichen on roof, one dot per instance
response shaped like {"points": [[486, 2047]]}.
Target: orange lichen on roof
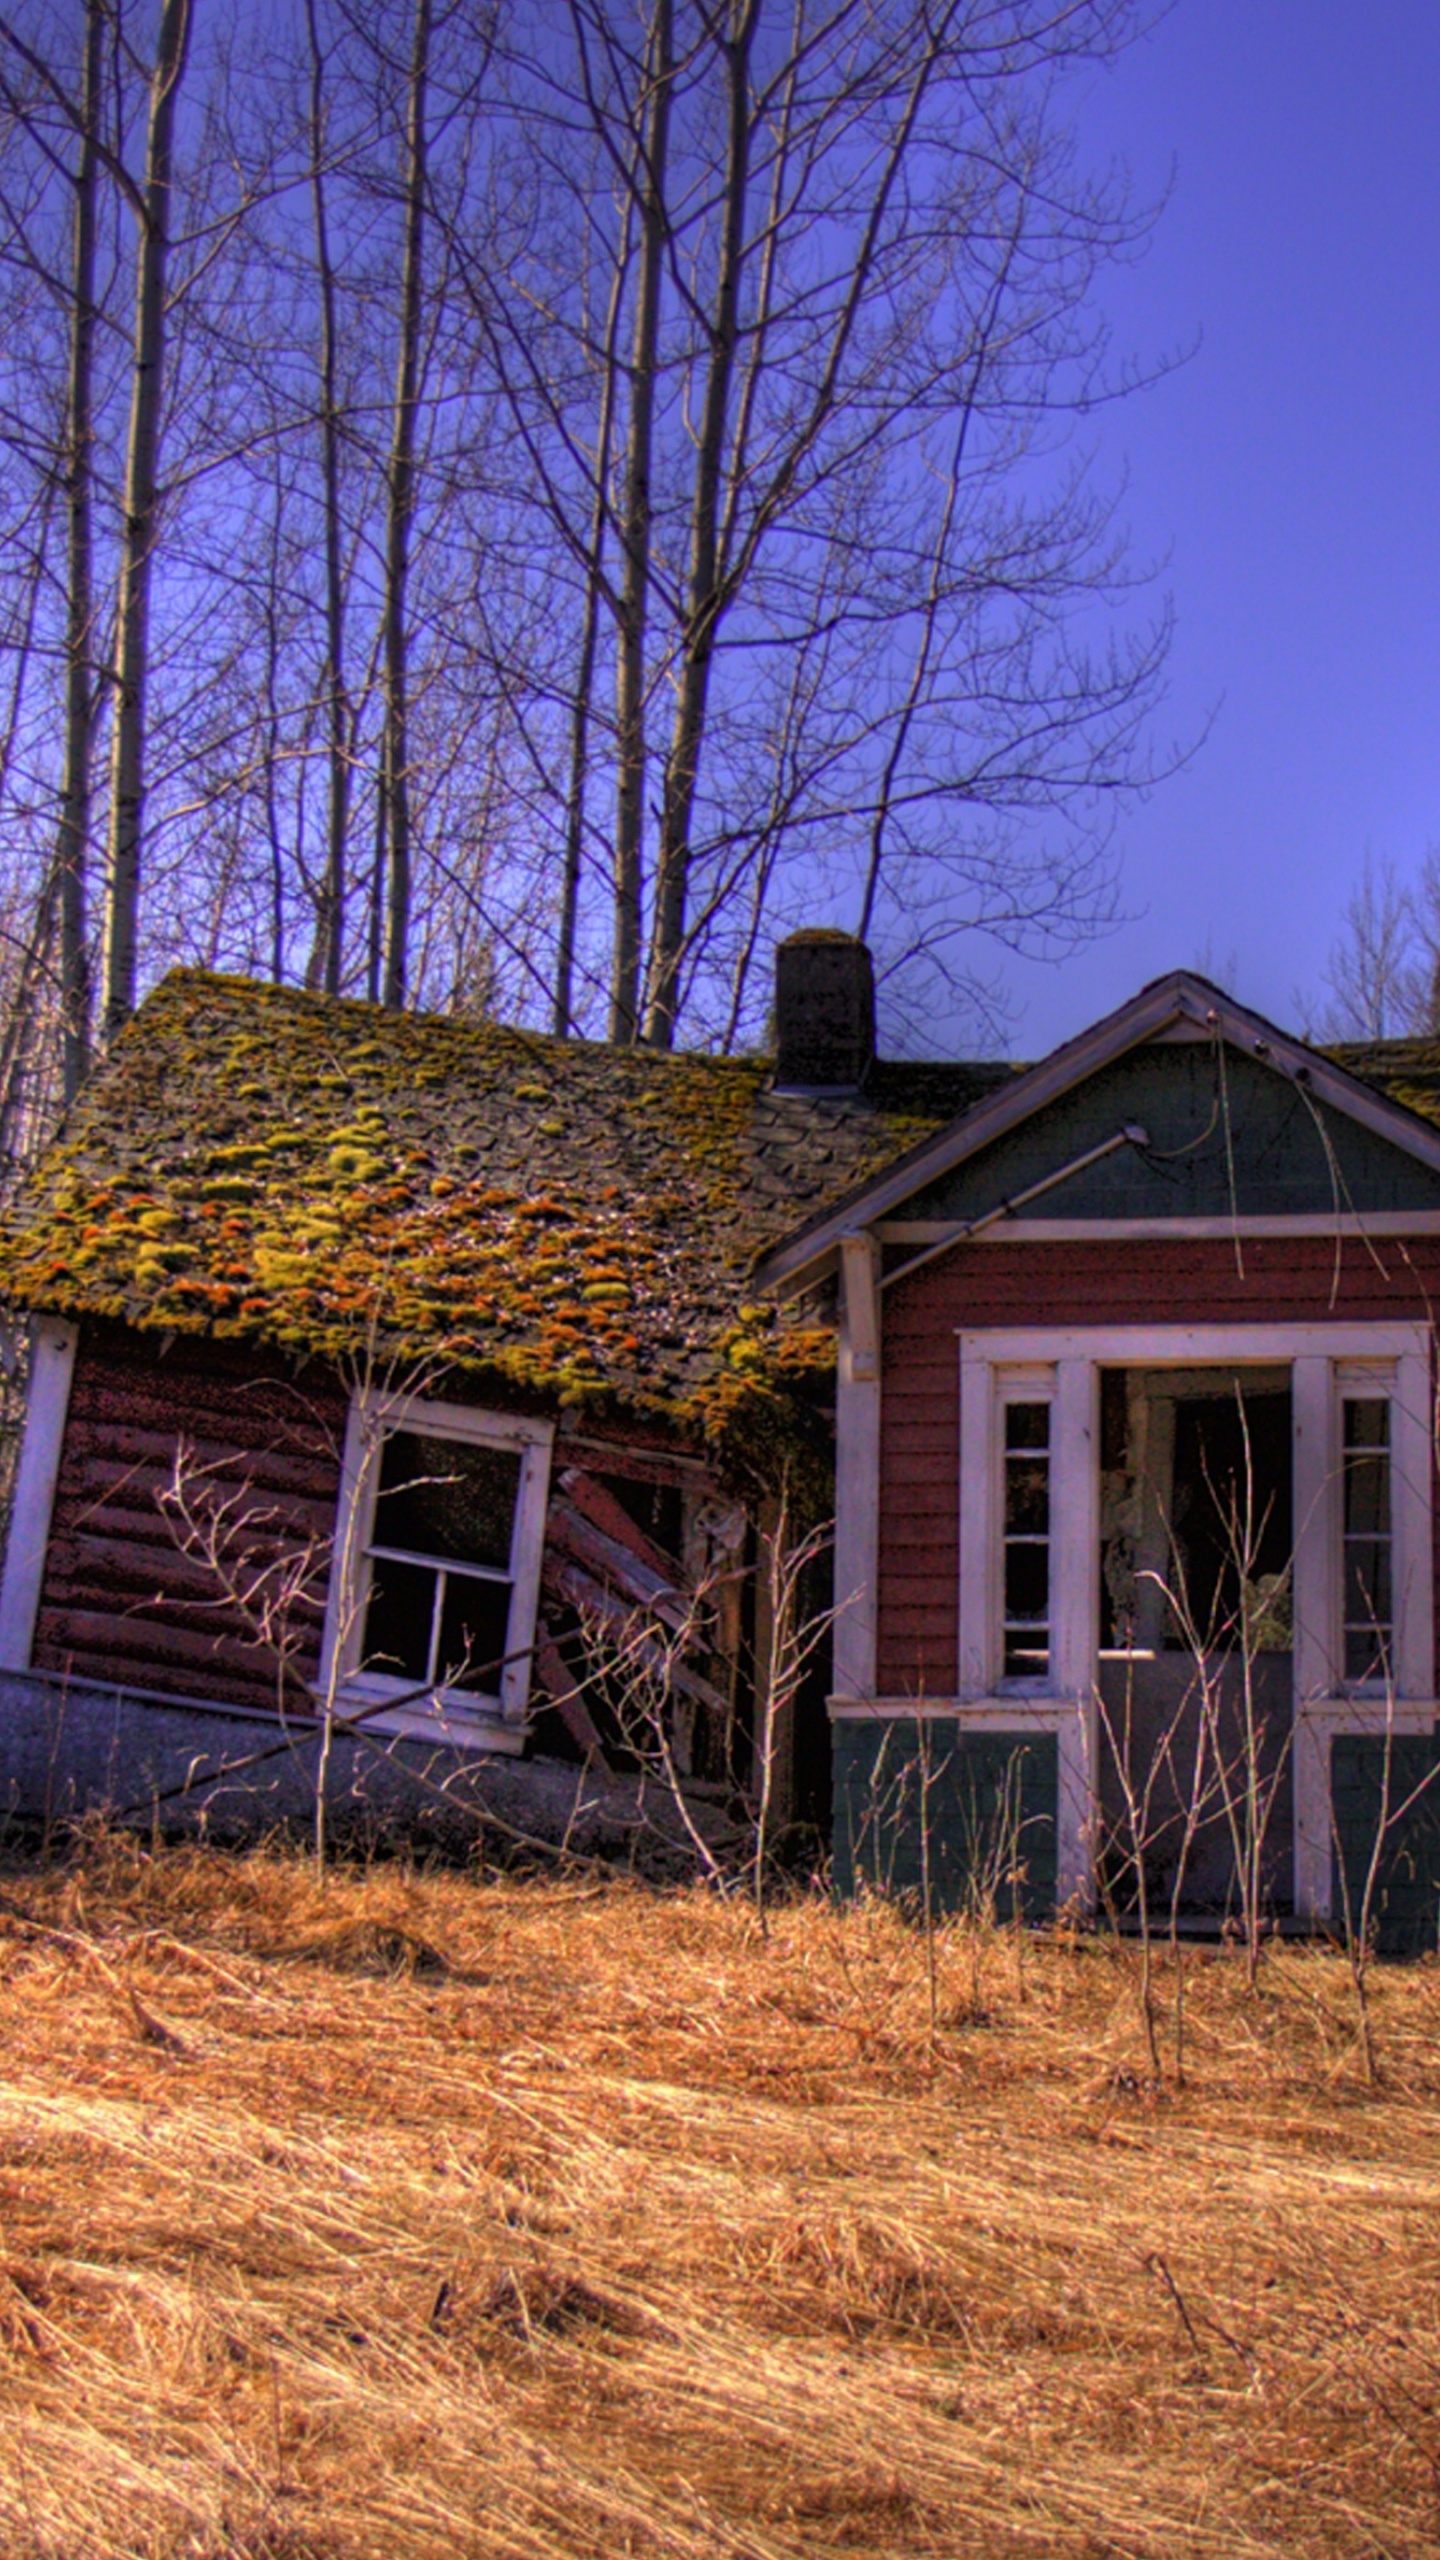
{"points": [[571, 1221]]}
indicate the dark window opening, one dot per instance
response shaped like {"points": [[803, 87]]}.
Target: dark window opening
{"points": [[658, 1509], [438, 1611], [1026, 1607], [1369, 1579], [1196, 1512]]}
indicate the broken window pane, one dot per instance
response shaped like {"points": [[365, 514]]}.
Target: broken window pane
{"points": [[399, 1619], [447, 1498], [473, 1627], [1195, 1511], [438, 1611]]}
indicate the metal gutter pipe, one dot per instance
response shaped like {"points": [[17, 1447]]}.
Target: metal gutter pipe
{"points": [[1132, 1135]]}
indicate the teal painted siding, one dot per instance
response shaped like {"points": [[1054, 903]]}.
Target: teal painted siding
{"points": [[987, 1800], [1282, 1162], [1406, 1905]]}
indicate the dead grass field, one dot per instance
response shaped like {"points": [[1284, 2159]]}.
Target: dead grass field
{"points": [[410, 2215]]}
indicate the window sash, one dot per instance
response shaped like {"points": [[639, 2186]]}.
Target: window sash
{"points": [[437, 1671], [1367, 1596], [443, 1564], [1026, 1566], [371, 1421], [1024, 1649]]}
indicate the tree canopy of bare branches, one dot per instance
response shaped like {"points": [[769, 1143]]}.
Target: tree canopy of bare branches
{"points": [[1382, 979], [514, 508]]}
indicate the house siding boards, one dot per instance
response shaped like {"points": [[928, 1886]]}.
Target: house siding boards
{"points": [[1285, 1279], [119, 1603]]}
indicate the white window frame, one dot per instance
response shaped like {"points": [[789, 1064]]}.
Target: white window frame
{"points": [[47, 1405], [1373, 1381], [1017, 1385], [1326, 1362], [995, 1368], [386, 1702]]}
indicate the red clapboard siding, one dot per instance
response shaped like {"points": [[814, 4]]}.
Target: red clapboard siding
{"points": [[120, 1602], [1109, 1282]]}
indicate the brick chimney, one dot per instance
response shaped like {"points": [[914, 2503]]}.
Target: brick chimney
{"points": [[824, 1011]]}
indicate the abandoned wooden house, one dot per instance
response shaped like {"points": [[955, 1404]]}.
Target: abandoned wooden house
{"points": [[1135, 1483], [405, 1374], [433, 1386]]}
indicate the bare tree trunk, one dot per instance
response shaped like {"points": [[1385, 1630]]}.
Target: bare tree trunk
{"points": [[702, 619], [928, 641], [272, 748], [721, 556], [379, 873], [564, 1006], [80, 691], [327, 955], [17, 1039], [127, 772], [394, 769], [635, 525], [23, 1025]]}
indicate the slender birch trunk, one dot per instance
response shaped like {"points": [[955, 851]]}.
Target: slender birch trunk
{"points": [[394, 773], [562, 1015], [17, 1040], [940, 575], [721, 556], [326, 959], [137, 550], [706, 598], [20, 1122], [275, 830], [635, 524], [375, 943], [80, 689]]}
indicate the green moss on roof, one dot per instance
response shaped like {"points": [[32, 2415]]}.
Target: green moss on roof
{"points": [[566, 1220], [1406, 1071]]}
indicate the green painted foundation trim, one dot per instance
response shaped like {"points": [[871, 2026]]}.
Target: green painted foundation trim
{"points": [[920, 1800], [1406, 1900]]}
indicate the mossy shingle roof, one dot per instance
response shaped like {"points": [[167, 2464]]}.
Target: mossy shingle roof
{"points": [[574, 1220], [1405, 1071]]}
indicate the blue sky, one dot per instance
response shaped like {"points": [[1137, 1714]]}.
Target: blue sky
{"points": [[1289, 471]]}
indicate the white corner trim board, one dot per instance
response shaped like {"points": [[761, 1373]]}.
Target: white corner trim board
{"points": [[52, 1365], [857, 1467]]}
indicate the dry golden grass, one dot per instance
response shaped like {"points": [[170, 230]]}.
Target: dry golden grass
{"points": [[411, 2215]]}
